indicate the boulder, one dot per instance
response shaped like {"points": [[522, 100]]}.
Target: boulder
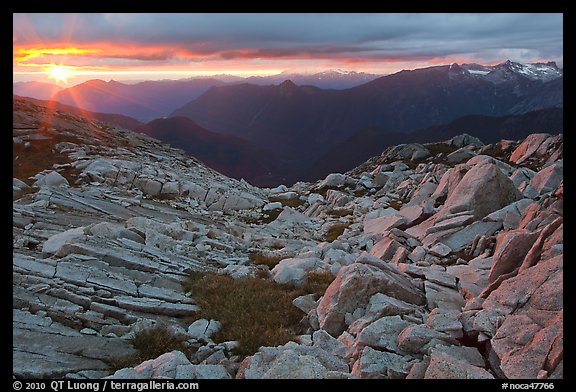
{"points": [[337, 199], [465, 140], [442, 297], [172, 365], [292, 360], [468, 354], [449, 181], [548, 179], [382, 333], [472, 277], [335, 180], [305, 303], [114, 231], [293, 270], [52, 178], [384, 223], [417, 338], [410, 151], [511, 248], [272, 206], [164, 366], [239, 201], [386, 248], [324, 341], [522, 176], [291, 365], [505, 168], [354, 286], [445, 366], [202, 372], [525, 348], [440, 250], [529, 339], [457, 240], [203, 329], [383, 305], [55, 244], [447, 321], [379, 364], [460, 155], [413, 214], [18, 185], [148, 186], [170, 188], [482, 190], [528, 147]]}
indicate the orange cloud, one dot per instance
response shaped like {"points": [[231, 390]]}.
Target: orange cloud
{"points": [[25, 54]]}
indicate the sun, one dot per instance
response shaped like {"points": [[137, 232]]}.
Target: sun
{"points": [[60, 73]]}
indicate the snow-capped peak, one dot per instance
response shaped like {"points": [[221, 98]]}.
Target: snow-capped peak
{"points": [[506, 70]]}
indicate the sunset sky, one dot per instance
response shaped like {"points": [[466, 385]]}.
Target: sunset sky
{"points": [[71, 48]]}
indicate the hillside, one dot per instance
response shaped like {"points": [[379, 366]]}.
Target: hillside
{"points": [[428, 261], [228, 155], [118, 119], [489, 129], [144, 101]]}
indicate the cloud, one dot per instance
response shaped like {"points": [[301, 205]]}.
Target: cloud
{"points": [[154, 38]]}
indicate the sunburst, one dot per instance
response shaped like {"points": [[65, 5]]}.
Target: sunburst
{"points": [[60, 73]]}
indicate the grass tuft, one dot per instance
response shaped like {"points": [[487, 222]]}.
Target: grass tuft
{"points": [[318, 281], [253, 311], [150, 344], [260, 258]]}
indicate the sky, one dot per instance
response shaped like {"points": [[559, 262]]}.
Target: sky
{"points": [[71, 48]]}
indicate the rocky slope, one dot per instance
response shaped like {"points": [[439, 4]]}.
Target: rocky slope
{"points": [[450, 264]]}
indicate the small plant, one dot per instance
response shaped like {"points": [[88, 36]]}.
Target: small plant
{"points": [[318, 281], [336, 231], [150, 344], [256, 312], [396, 204], [262, 259]]}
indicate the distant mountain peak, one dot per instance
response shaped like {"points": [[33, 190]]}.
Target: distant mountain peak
{"points": [[287, 85]]}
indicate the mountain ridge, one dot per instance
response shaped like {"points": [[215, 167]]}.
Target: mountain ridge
{"points": [[401, 102]]}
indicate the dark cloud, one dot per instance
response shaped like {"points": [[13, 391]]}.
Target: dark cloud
{"points": [[369, 36]]}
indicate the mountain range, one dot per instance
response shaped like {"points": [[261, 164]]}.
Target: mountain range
{"points": [[304, 122], [147, 100], [37, 90], [283, 128]]}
